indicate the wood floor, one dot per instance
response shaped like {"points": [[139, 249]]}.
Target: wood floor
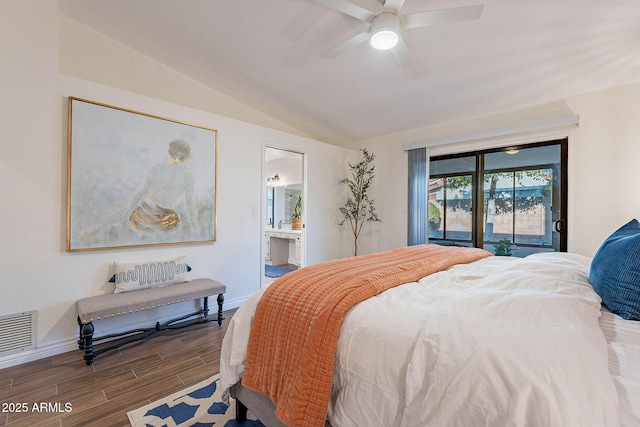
{"points": [[119, 381]]}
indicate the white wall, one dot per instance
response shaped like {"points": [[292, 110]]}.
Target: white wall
{"points": [[604, 151], [36, 271], [604, 157], [90, 55]]}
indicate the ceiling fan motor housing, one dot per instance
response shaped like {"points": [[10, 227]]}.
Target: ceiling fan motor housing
{"points": [[385, 30]]}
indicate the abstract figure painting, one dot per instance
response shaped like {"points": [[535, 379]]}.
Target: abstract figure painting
{"points": [[138, 180]]}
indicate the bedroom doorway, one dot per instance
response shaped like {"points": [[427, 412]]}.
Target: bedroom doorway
{"points": [[284, 239]]}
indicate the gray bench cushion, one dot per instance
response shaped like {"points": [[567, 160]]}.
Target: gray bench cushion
{"points": [[111, 305]]}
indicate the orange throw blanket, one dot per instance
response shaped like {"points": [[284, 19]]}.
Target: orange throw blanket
{"points": [[296, 324]]}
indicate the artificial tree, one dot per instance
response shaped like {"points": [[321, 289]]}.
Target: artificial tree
{"points": [[359, 208]]}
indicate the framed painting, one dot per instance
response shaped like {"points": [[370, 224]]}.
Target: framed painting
{"points": [[134, 179]]}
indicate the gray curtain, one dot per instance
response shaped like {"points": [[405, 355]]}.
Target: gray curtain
{"points": [[418, 196]]}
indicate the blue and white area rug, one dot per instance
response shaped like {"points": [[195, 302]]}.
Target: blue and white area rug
{"points": [[271, 271], [200, 405]]}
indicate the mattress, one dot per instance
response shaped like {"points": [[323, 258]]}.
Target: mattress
{"points": [[616, 342]]}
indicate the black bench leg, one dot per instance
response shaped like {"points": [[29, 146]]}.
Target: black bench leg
{"points": [[241, 412], [220, 301], [86, 335], [80, 340], [205, 306]]}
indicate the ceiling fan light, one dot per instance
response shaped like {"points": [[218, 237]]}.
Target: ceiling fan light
{"points": [[384, 38], [384, 31]]}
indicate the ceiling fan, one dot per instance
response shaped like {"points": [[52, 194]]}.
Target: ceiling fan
{"points": [[384, 30]]}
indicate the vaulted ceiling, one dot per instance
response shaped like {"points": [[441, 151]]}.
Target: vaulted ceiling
{"points": [[272, 55]]}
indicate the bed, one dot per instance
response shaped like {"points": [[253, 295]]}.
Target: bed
{"points": [[496, 341]]}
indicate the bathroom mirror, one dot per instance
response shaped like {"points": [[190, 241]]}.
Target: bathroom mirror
{"points": [[284, 185]]}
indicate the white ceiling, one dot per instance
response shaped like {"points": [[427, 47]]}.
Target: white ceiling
{"points": [[269, 54]]}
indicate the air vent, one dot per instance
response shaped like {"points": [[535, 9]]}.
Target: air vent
{"points": [[18, 332]]}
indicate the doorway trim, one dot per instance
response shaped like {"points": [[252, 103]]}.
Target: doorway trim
{"points": [[270, 144]]}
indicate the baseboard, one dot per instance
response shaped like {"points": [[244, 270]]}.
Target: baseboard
{"points": [[54, 349], [39, 353], [234, 303]]}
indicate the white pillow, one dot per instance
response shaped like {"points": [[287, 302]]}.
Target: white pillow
{"points": [[151, 274]]}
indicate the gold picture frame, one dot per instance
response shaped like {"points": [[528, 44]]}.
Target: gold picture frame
{"points": [[134, 179]]}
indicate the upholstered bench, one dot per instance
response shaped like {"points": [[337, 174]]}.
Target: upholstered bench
{"points": [[111, 305]]}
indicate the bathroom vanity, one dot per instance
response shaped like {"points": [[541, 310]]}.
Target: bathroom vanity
{"points": [[282, 246]]}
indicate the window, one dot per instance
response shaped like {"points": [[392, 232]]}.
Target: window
{"points": [[491, 199]]}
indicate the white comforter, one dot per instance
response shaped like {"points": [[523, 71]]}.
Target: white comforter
{"points": [[498, 342]]}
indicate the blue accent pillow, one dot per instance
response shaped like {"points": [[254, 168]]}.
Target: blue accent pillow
{"points": [[615, 271]]}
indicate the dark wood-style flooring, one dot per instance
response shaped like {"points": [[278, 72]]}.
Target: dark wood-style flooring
{"points": [[117, 382]]}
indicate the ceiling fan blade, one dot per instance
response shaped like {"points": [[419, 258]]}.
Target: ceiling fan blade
{"points": [[443, 16], [347, 8], [401, 51], [394, 5], [352, 42]]}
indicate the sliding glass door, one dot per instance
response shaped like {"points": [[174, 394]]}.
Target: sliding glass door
{"points": [[450, 206], [509, 201]]}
